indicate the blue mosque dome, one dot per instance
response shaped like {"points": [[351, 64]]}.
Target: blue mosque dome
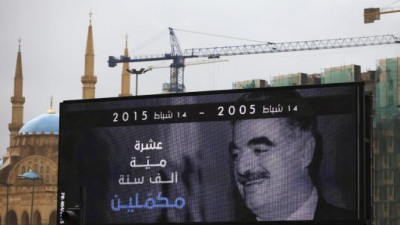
{"points": [[44, 123]]}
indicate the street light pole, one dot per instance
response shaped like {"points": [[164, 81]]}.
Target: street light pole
{"points": [[137, 83], [31, 176], [137, 72], [33, 195]]}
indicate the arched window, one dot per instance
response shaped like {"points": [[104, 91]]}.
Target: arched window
{"points": [[12, 218], [53, 218], [37, 218], [25, 218]]}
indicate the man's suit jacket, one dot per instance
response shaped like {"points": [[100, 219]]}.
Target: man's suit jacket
{"points": [[328, 212], [323, 212]]}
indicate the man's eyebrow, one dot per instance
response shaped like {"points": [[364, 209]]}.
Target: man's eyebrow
{"points": [[261, 140]]}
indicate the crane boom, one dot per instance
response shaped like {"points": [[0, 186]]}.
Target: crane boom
{"points": [[178, 57], [291, 46]]}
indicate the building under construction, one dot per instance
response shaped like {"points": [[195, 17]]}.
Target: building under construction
{"points": [[246, 84], [386, 165]]}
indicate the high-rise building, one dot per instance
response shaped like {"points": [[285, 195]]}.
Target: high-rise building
{"points": [[341, 74], [289, 80], [388, 88], [314, 78], [386, 164], [296, 79], [255, 83], [369, 80]]}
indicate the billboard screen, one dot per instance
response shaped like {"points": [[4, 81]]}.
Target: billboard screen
{"points": [[273, 154]]}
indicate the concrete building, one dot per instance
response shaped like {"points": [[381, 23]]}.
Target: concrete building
{"points": [[386, 163], [294, 79], [314, 78], [341, 74], [369, 79], [255, 83], [289, 80]]}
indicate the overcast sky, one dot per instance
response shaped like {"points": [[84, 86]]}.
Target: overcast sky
{"points": [[54, 36]]}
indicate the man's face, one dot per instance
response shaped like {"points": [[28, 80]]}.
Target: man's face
{"points": [[270, 159]]}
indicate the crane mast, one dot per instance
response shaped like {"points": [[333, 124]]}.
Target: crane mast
{"points": [[178, 56], [177, 67]]}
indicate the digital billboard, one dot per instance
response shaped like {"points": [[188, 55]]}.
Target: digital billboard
{"points": [[239, 156]]}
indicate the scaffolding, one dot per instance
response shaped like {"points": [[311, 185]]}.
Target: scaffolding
{"points": [[387, 89], [386, 155], [255, 83], [341, 74], [289, 80]]}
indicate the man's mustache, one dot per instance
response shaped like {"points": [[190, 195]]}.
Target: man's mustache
{"points": [[247, 177]]}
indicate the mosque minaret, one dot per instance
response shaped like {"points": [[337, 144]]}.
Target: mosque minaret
{"points": [[126, 76], [89, 80], [17, 99]]}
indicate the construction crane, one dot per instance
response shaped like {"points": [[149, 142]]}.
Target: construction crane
{"points": [[167, 86], [372, 14], [176, 68], [178, 56]]}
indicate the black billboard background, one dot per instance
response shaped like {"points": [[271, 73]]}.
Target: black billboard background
{"points": [[97, 157]]}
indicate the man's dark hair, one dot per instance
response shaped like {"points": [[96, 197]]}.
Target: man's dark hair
{"points": [[306, 120]]}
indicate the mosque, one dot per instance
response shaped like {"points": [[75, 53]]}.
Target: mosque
{"points": [[29, 168]]}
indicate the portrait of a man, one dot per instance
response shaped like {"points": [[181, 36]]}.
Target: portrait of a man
{"points": [[242, 167], [276, 162]]}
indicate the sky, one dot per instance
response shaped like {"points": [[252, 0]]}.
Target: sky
{"points": [[54, 33]]}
